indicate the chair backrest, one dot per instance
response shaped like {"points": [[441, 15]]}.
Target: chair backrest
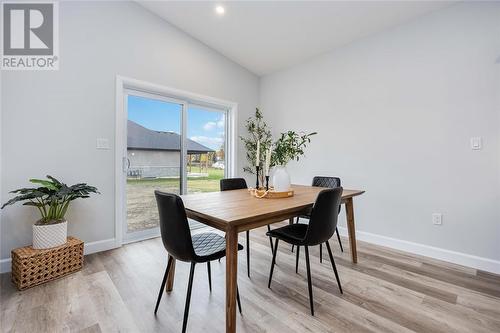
{"points": [[228, 184], [174, 226], [324, 216], [330, 182], [323, 181]]}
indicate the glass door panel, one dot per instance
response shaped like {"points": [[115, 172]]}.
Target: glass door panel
{"points": [[154, 128], [206, 147]]}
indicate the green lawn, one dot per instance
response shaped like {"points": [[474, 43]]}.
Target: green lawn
{"points": [[142, 212], [195, 184]]}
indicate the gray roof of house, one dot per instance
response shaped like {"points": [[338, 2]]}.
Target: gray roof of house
{"points": [[139, 137]]}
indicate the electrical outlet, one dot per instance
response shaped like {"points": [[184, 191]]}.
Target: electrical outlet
{"points": [[476, 143], [437, 218], [102, 143]]}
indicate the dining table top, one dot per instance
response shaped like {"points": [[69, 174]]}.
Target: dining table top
{"points": [[239, 207]]}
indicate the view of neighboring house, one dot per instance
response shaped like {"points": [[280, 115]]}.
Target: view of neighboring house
{"points": [[154, 154]]}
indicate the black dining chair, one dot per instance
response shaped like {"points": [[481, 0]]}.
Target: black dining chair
{"points": [[180, 245], [330, 182], [322, 224], [229, 184]]}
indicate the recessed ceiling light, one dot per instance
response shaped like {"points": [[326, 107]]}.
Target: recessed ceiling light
{"points": [[220, 10]]}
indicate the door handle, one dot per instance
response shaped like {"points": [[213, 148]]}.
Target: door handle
{"points": [[125, 164]]}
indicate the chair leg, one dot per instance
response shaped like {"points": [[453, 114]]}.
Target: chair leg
{"points": [[297, 261], [209, 276], [270, 239], [309, 284], [297, 221], [273, 262], [248, 253], [238, 298], [320, 253], [334, 266], [162, 288], [188, 297], [340, 242]]}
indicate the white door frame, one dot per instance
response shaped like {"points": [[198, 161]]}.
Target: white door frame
{"points": [[127, 91], [125, 83]]}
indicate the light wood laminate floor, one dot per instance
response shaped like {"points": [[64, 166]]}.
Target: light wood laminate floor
{"points": [[387, 291]]}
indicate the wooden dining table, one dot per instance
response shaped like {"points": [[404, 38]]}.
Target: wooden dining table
{"points": [[237, 211]]}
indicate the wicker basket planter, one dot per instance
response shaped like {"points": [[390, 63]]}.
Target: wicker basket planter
{"points": [[31, 267]]}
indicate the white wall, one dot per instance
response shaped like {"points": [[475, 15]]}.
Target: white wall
{"points": [[51, 119], [395, 113]]}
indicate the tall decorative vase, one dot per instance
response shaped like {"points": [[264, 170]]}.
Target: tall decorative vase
{"points": [[281, 179]]}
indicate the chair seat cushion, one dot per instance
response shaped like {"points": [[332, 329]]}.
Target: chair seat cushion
{"points": [[293, 233], [210, 246]]}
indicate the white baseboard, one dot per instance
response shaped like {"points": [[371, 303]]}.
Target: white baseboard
{"points": [[5, 265], [88, 248], [98, 246], [459, 258]]}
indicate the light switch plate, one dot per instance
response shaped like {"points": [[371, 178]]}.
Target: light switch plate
{"points": [[476, 143], [102, 143], [437, 218]]}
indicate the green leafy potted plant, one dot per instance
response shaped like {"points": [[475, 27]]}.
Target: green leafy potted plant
{"points": [[289, 146], [52, 199]]}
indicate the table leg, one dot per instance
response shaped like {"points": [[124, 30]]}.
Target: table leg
{"points": [[231, 278], [171, 275], [349, 207]]}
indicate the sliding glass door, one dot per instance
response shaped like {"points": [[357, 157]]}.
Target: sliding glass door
{"points": [[206, 163], [173, 146], [154, 127]]}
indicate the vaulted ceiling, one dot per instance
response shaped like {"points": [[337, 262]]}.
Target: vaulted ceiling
{"points": [[266, 36]]}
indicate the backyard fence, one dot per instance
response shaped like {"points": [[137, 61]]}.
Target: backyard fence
{"points": [[153, 172]]}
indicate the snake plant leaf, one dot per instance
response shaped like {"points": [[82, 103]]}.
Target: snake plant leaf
{"points": [[83, 188], [22, 190], [55, 181], [64, 190], [44, 183], [22, 197], [52, 197], [32, 203]]}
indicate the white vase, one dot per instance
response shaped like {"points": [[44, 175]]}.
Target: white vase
{"points": [[271, 176], [46, 236], [281, 179]]}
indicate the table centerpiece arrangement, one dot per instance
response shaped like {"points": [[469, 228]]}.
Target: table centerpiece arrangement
{"points": [[289, 146]]}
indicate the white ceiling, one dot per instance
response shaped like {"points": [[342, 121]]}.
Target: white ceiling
{"points": [[266, 36]]}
